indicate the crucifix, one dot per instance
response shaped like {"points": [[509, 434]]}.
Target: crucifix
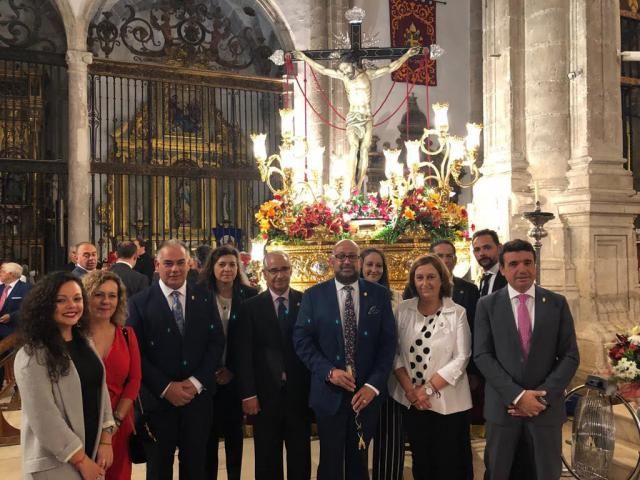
{"points": [[357, 84]]}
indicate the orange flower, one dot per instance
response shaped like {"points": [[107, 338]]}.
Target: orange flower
{"points": [[409, 214]]}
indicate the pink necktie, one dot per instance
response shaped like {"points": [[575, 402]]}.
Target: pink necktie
{"points": [[524, 323], [3, 297]]}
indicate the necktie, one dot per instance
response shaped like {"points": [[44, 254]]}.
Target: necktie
{"points": [[3, 297], [484, 284], [524, 324], [282, 314], [350, 329], [178, 314]]}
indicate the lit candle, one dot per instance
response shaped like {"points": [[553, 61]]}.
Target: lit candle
{"points": [[535, 192], [390, 161]]}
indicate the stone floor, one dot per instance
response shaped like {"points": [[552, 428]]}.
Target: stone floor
{"points": [[10, 459]]}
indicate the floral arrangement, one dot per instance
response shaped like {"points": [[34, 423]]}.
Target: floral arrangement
{"points": [[420, 213], [365, 205], [317, 220], [624, 356]]}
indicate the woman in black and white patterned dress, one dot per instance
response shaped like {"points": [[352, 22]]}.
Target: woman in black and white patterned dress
{"points": [[434, 346]]}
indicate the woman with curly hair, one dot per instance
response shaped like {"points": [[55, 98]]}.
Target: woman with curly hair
{"points": [[118, 347], [66, 415], [223, 276]]}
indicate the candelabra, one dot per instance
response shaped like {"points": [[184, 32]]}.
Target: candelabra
{"points": [[538, 219], [294, 152], [456, 154]]}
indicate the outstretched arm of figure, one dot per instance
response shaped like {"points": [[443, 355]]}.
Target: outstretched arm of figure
{"points": [[298, 55], [396, 64]]}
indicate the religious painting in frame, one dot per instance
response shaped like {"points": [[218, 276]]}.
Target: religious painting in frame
{"points": [[413, 23]]}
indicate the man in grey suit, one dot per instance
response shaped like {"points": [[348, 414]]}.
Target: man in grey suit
{"points": [[525, 346]]}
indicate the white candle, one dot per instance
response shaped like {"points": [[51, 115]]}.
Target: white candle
{"points": [[535, 192]]}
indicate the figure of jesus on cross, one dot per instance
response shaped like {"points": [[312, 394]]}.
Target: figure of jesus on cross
{"points": [[357, 84]]}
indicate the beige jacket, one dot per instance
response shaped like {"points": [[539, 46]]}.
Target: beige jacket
{"points": [[52, 417]]}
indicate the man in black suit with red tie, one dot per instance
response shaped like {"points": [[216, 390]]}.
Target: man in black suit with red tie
{"points": [[273, 381], [486, 248], [181, 341]]}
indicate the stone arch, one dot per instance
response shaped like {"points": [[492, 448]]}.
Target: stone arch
{"points": [[209, 34]]}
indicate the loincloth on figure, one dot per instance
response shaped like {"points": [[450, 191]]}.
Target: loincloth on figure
{"points": [[358, 123]]}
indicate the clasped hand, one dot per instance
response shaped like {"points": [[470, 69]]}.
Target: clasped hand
{"points": [[180, 393], [529, 404], [419, 398]]}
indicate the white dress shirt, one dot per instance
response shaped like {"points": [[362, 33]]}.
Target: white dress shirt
{"points": [[494, 273], [450, 350], [275, 297], [167, 291]]}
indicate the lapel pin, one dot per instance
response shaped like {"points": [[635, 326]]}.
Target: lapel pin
{"points": [[544, 299], [365, 294], [298, 304], [193, 297]]}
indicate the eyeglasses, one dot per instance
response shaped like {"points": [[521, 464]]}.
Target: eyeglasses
{"points": [[341, 257], [275, 271]]}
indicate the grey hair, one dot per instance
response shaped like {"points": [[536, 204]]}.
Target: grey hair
{"points": [[275, 252], [11, 267], [174, 242]]}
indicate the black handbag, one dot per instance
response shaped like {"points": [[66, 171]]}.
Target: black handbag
{"points": [[142, 438]]}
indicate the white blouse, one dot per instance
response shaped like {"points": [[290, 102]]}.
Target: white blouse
{"points": [[439, 344]]}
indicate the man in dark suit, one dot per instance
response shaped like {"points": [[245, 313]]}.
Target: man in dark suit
{"points": [[273, 382], [87, 256], [12, 292], [73, 259], [486, 248], [181, 341], [525, 346], [346, 335], [127, 253], [145, 263]]}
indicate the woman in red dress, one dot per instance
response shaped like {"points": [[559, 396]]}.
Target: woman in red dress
{"points": [[121, 357]]}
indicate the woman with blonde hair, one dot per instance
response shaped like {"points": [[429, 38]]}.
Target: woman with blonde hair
{"points": [[118, 348]]}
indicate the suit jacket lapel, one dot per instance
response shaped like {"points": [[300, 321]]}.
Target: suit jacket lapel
{"points": [[334, 306], [364, 304], [541, 316], [271, 316], [167, 313]]}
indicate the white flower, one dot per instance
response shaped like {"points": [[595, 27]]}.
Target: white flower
{"points": [[635, 340], [625, 369]]}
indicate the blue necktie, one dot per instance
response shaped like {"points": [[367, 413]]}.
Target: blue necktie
{"points": [[350, 329], [178, 314]]}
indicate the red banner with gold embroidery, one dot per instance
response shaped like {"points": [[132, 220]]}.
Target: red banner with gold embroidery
{"points": [[413, 23]]}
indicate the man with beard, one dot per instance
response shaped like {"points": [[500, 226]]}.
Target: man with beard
{"points": [[486, 248], [346, 336]]}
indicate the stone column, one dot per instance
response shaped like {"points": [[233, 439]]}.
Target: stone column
{"points": [[599, 205], [318, 129], [505, 180], [79, 154]]}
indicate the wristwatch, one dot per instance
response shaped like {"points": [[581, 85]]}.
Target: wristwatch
{"points": [[429, 388]]}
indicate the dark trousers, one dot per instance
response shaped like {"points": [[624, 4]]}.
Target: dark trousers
{"points": [[182, 428], [340, 458], [524, 452], [439, 444], [388, 442], [227, 423], [277, 426]]}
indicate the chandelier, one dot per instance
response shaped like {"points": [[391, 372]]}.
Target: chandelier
{"points": [[456, 165]]}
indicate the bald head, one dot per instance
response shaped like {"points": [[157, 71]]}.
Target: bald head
{"points": [[345, 261]]}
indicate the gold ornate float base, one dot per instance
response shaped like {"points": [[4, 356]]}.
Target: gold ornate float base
{"points": [[310, 262]]}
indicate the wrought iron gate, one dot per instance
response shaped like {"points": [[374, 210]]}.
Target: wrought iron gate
{"points": [[171, 153], [33, 174]]}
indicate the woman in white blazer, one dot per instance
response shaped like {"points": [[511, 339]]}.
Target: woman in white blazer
{"points": [[434, 347], [66, 412]]}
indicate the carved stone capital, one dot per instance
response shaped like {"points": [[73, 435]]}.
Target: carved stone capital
{"points": [[78, 59]]}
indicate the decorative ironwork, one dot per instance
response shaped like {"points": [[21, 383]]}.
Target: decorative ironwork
{"points": [[185, 32], [30, 25]]}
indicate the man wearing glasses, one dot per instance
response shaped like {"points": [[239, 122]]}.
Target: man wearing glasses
{"points": [[346, 335], [273, 382]]}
